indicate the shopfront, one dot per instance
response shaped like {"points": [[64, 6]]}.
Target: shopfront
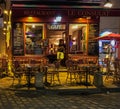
{"points": [[37, 31]]}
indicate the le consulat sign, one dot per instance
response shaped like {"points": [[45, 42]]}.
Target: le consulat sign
{"points": [[69, 12], [66, 12]]}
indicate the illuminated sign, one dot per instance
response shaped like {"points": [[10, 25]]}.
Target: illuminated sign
{"points": [[56, 26], [64, 12]]}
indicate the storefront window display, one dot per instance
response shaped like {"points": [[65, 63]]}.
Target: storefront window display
{"points": [[34, 38]]}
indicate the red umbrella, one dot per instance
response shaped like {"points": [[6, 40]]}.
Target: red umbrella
{"points": [[111, 36]]}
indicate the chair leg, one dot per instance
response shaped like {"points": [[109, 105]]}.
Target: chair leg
{"points": [[58, 77], [13, 81], [67, 76]]}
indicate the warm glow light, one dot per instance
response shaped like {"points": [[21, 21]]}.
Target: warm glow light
{"points": [[5, 12], [5, 22], [4, 29], [30, 18], [74, 38], [9, 22], [10, 12], [74, 26], [74, 43], [4, 33], [33, 26]]}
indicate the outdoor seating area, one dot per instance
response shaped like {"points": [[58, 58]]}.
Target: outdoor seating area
{"points": [[77, 74]]}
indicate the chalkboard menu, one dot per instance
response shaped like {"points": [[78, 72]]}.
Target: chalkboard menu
{"points": [[93, 30], [93, 49], [18, 39]]}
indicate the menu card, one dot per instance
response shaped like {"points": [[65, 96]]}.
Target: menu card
{"points": [[18, 39]]}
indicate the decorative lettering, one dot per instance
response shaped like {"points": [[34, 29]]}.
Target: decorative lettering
{"points": [[67, 12], [56, 26], [42, 12], [87, 13]]}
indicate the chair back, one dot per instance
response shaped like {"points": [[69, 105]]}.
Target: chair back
{"points": [[57, 64], [16, 64], [69, 64]]}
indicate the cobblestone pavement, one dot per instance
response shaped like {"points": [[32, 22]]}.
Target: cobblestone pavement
{"points": [[14, 99]]}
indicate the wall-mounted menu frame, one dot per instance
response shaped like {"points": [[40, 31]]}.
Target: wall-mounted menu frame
{"points": [[93, 45], [18, 39]]}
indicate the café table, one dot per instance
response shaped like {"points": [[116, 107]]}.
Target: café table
{"points": [[30, 72], [88, 68]]}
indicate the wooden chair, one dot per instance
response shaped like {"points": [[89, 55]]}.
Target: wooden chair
{"points": [[17, 72], [109, 71], [116, 76], [72, 71], [4, 67], [54, 73]]}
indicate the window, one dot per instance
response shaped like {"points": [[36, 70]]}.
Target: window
{"points": [[34, 38], [77, 39]]}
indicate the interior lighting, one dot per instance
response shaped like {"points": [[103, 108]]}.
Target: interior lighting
{"points": [[75, 27], [108, 4], [33, 26]]}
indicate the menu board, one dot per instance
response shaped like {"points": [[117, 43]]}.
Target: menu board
{"points": [[93, 49], [93, 45], [18, 39], [93, 30]]}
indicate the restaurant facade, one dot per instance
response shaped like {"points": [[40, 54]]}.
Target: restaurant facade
{"points": [[37, 30]]}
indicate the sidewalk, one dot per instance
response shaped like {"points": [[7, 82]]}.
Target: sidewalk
{"points": [[39, 100]]}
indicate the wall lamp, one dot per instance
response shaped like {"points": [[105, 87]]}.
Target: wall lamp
{"points": [[108, 4]]}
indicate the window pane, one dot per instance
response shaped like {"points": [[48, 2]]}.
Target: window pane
{"points": [[77, 33], [34, 38]]}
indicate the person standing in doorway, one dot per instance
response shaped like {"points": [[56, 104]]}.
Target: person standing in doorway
{"points": [[61, 52]]}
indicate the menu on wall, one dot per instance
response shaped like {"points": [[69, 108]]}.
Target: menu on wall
{"points": [[18, 39], [93, 45], [93, 30], [93, 49]]}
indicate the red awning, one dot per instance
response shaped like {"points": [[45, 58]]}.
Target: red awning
{"points": [[111, 36]]}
